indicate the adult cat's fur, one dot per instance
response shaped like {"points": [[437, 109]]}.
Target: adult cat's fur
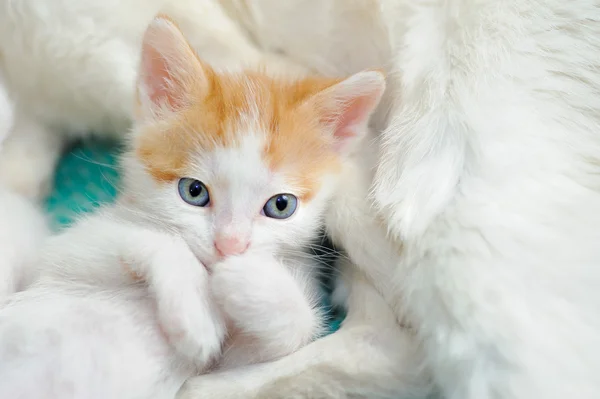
{"points": [[22, 225], [488, 172], [488, 196]]}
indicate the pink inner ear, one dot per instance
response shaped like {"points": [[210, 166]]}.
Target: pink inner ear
{"points": [[156, 78], [352, 115]]}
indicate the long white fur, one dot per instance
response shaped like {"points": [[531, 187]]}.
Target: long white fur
{"points": [[136, 298], [484, 236], [22, 225], [485, 241], [23, 228]]}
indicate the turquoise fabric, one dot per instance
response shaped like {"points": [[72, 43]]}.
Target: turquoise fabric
{"points": [[88, 176]]}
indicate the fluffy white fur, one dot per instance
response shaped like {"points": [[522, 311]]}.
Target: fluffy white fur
{"points": [[23, 229], [6, 112], [22, 225], [135, 299], [484, 237]]}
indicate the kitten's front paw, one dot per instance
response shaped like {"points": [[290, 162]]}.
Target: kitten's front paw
{"points": [[190, 320], [241, 285], [191, 330]]}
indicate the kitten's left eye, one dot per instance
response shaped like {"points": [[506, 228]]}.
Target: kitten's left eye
{"points": [[281, 206], [194, 192]]}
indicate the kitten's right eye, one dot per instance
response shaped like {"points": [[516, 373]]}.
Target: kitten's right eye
{"points": [[194, 192]]}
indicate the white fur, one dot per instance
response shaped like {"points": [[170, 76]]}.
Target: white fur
{"points": [[23, 228], [22, 225], [70, 68], [98, 336], [487, 238], [485, 234], [136, 298], [6, 112]]}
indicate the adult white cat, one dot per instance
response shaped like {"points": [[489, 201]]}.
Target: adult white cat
{"points": [[488, 183]]}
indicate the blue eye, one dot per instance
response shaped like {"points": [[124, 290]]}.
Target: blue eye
{"points": [[281, 206], [194, 192]]}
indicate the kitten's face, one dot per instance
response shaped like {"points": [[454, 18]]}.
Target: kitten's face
{"points": [[238, 163]]}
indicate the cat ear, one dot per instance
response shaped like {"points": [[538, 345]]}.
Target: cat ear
{"points": [[169, 70], [347, 106]]}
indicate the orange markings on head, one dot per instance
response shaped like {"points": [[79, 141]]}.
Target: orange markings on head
{"points": [[185, 107], [295, 142]]}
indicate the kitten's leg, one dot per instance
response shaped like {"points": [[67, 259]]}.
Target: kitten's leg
{"points": [[175, 277], [370, 356], [179, 283], [29, 156], [272, 314]]}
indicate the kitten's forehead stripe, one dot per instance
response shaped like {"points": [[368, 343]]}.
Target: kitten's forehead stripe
{"points": [[294, 143]]}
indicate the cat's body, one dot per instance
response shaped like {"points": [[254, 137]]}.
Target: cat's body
{"points": [[487, 181], [123, 309], [91, 342], [184, 275]]}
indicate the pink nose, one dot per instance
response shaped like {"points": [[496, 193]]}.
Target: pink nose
{"points": [[227, 246]]}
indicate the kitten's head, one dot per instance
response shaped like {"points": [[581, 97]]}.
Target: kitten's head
{"points": [[237, 162]]}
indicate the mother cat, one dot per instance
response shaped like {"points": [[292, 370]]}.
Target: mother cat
{"points": [[484, 232]]}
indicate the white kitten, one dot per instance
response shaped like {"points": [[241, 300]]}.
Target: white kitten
{"points": [[227, 181]]}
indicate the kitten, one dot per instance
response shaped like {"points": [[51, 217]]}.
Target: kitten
{"points": [[227, 180]]}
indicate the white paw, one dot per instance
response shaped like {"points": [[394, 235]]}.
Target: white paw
{"points": [[244, 284], [187, 315], [229, 279]]}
